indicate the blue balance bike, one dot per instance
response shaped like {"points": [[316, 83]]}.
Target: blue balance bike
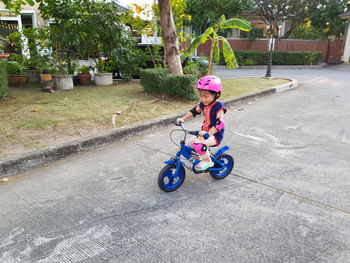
{"points": [[173, 174]]}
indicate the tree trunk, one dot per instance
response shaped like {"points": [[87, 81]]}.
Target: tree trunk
{"points": [[210, 66], [171, 46]]}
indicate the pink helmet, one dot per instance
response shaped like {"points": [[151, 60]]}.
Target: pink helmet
{"points": [[211, 83]]}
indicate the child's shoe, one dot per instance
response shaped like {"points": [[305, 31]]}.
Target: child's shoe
{"points": [[202, 166]]}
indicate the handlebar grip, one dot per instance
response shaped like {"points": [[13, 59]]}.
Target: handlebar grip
{"points": [[195, 133], [179, 123]]}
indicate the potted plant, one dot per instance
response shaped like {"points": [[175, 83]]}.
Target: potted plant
{"points": [[98, 35], [73, 69], [46, 81], [62, 80], [84, 75], [61, 37], [127, 61], [45, 75], [4, 56], [102, 76], [37, 50], [15, 74], [32, 53], [34, 69]]}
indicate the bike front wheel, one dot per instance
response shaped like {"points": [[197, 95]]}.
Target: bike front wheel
{"points": [[227, 164], [169, 180]]}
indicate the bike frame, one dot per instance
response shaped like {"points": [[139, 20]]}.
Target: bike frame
{"points": [[187, 152]]}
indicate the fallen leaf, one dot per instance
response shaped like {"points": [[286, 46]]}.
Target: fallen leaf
{"points": [[36, 110]]}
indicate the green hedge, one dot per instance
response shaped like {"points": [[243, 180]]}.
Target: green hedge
{"points": [[160, 81], [3, 80], [247, 58]]}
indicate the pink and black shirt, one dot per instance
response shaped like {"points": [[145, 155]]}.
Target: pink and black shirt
{"points": [[210, 115]]}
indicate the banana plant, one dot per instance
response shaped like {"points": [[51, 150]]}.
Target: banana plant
{"points": [[212, 34]]}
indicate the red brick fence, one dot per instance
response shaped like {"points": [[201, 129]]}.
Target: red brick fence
{"points": [[332, 49]]}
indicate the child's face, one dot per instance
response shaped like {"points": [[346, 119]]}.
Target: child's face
{"points": [[206, 97]]}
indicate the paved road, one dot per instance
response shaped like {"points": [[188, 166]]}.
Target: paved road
{"points": [[288, 199], [302, 75]]}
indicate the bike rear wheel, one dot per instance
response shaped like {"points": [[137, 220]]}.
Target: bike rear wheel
{"points": [[227, 163], [169, 180]]}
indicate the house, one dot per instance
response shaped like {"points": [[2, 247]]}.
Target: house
{"points": [[262, 29], [256, 22], [29, 17], [346, 52]]}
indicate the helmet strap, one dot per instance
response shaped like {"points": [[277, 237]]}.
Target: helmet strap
{"points": [[217, 96]]}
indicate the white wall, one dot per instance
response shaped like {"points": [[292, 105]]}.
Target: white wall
{"points": [[346, 54]]}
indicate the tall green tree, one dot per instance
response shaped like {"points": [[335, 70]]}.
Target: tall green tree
{"points": [[212, 34], [206, 13], [134, 18], [181, 18], [325, 16]]}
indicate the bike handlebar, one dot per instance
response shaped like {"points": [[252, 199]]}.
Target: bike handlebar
{"points": [[182, 125]]}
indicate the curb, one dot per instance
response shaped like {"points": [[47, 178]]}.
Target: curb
{"points": [[319, 66], [38, 158]]}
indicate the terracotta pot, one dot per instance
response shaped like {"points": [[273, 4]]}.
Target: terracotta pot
{"points": [[16, 80], [45, 77], [84, 79], [4, 56], [46, 84]]}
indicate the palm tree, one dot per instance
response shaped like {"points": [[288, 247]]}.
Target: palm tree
{"points": [[212, 34]]}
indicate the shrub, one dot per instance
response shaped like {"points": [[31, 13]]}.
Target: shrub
{"points": [[3, 81], [152, 80], [182, 86], [160, 81], [192, 68], [307, 31], [246, 58], [14, 68]]}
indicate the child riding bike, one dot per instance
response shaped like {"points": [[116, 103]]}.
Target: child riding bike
{"points": [[212, 129]]}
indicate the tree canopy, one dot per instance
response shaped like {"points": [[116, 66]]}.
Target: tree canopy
{"points": [[323, 14], [206, 13], [16, 5]]}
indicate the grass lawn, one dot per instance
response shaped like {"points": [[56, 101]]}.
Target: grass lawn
{"points": [[31, 119]]}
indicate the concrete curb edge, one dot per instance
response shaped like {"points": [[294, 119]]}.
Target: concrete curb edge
{"points": [[37, 158]]}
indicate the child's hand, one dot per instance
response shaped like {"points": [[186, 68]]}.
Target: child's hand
{"points": [[179, 120], [204, 134]]}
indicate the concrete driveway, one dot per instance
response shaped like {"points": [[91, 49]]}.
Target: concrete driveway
{"points": [[288, 199]]}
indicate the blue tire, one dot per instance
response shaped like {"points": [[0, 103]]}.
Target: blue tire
{"points": [[227, 163], [169, 180]]}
